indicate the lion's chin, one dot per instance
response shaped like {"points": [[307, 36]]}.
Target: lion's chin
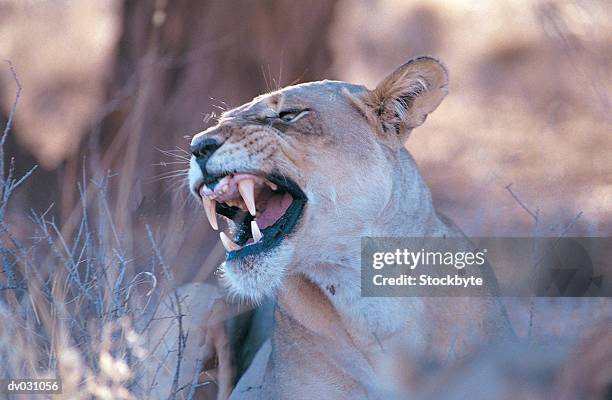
{"points": [[253, 278]]}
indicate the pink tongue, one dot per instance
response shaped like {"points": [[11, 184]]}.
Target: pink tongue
{"points": [[276, 206]]}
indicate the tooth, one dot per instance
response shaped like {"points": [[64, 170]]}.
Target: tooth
{"points": [[228, 243], [255, 232], [247, 190], [211, 214], [272, 185]]}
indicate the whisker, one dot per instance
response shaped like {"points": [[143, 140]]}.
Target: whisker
{"points": [[209, 116], [180, 157], [172, 153], [224, 104], [182, 150], [175, 187], [169, 175], [171, 178], [166, 163], [172, 173], [185, 170], [299, 78], [263, 73]]}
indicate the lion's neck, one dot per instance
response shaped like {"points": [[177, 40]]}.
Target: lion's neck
{"points": [[310, 330], [409, 212], [323, 306]]}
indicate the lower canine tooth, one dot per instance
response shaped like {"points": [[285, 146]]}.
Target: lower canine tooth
{"points": [[211, 214], [255, 232], [228, 243]]}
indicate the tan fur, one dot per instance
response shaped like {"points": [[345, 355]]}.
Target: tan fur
{"points": [[406, 97], [347, 154]]}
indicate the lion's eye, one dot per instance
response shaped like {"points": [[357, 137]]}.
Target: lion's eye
{"points": [[291, 115]]}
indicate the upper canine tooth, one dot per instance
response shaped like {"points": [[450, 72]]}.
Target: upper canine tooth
{"points": [[228, 243], [255, 232], [211, 214], [247, 190]]}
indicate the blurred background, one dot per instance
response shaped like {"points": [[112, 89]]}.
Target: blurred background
{"points": [[114, 89], [120, 86], [529, 101]]}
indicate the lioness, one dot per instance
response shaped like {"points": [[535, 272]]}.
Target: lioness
{"points": [[300, 175]]}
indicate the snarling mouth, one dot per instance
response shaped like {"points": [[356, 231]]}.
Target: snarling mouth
{"points": [[263, 209]]}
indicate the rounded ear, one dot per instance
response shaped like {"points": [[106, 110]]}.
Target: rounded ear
{"points": [[402, 101]]}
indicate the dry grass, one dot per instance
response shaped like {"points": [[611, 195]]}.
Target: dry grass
{"points": [[75, 306]]}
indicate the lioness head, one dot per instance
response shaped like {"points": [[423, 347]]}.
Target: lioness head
{"points": [[302, 172]]}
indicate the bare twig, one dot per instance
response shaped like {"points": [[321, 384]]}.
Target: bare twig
{"points": [[570, 224], [182, 337], [533, 215], [11, 115]]}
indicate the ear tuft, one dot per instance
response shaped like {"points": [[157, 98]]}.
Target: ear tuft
{"points": [[402, 101]]}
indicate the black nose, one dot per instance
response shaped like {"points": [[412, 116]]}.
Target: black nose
{"points": [[203, 149]]}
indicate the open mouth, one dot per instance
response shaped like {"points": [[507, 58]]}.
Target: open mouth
{"points": [[263, 210]]}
